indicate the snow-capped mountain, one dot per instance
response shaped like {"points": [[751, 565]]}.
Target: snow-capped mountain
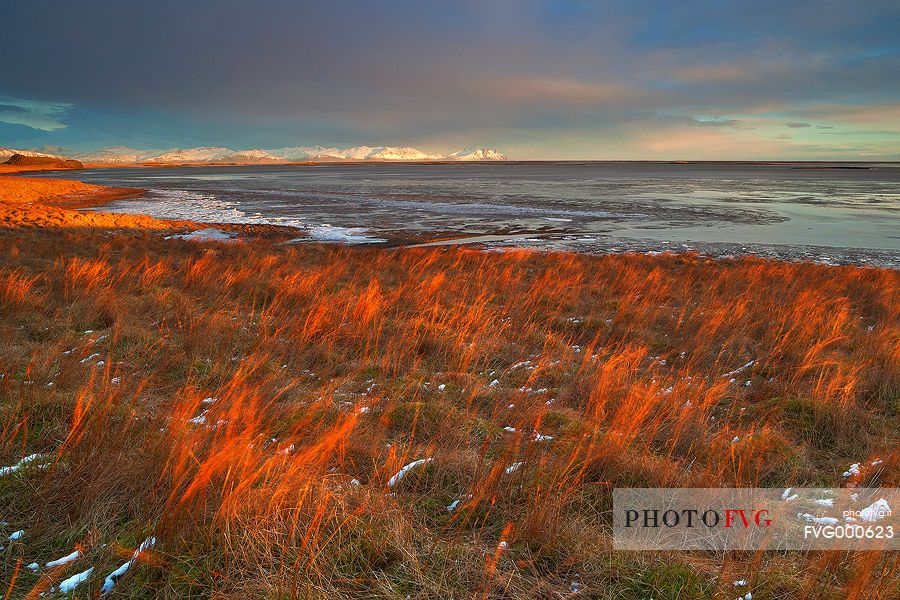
{"points": [[221, 155], [116, 154], [476, 153], [6, 153], [123, 154], [214, 155], [300, 153], [405, 153], [256, 156], [191, 155]]}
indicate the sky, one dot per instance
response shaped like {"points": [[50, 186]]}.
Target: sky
{"points": [[535, 79]]}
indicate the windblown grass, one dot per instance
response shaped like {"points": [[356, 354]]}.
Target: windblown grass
{"points": [[249, 403]]}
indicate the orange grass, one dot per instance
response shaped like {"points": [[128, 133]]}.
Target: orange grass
{"points": [[331, 368]]}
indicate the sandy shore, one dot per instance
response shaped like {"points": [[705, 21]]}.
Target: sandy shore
{"points": [[39, 202], [56, 203]]}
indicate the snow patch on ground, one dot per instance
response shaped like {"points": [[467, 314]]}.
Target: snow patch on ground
{"points": [[402, 472], [110, 582], [199, 419], [877, 510], [853, 470], [74, 581], [817, 520], [64, 560], [739, 369], [513, 468], [209, 234], [22, 463]]}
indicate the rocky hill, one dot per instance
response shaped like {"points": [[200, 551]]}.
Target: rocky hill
{"points": [[44, 162]]}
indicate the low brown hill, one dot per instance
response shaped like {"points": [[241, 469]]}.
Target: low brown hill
{"points": [[44, 162]]}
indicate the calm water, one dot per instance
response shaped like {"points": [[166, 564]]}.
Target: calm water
{"points": [[806, 211]]}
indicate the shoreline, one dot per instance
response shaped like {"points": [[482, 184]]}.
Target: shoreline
{"points": [[57, 202], [805, 164]]}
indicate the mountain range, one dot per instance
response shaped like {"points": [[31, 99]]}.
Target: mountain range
{"points": [[7, 153], [218, 155]]}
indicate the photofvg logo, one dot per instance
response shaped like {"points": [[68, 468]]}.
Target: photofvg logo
{"points": [[692, 517], [755, 519]]}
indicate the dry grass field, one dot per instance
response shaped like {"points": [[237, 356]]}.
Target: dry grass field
{"points": [[250, 408]]}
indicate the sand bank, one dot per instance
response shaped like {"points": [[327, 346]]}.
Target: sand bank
{"points": [[55, 203]]}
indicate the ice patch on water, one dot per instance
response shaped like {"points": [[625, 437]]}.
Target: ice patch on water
{"points": [[342, 235], [347, 235], [192, 206]]}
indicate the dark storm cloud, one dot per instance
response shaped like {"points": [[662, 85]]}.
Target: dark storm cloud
{"points": [[400, 72]]}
